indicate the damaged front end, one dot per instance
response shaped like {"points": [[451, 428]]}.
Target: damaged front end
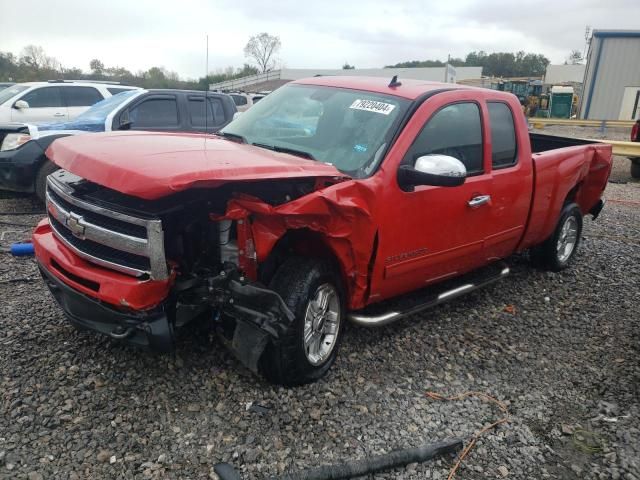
{"points": [[221, 247], [248, 315]]}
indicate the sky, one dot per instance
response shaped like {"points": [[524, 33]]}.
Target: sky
{"points": [[139, 34]]}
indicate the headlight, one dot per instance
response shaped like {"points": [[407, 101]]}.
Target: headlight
{"points": [[14, 140]]}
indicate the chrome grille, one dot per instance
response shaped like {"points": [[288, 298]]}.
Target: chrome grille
{"points": [[114, 240]]}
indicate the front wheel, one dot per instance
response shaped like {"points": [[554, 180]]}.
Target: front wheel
{"points": [[313, 291], [41, 179], [558, 250]]}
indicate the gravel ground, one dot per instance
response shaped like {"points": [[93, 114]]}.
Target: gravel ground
{"points": [[560, 350]]}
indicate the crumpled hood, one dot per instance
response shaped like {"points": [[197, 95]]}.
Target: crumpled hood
{"points": [[152, 165]]}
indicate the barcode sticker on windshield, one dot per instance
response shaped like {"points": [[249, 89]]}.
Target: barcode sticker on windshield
{"points": [[373, 106]]}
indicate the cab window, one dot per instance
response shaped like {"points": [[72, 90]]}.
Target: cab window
{"points": [[45, 97], [503, 135], [454, 130], [155, 113], [81, 96], [215, 112]]}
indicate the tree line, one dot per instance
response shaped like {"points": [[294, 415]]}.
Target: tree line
{"points": [[497, 64], [33, 64]]}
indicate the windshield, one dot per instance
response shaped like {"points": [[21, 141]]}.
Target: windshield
{"points": [[349, 129], [10, 92], [98, 113]]}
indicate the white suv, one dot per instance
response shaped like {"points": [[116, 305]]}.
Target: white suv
{"points": [[53, 101], [244, 101]]}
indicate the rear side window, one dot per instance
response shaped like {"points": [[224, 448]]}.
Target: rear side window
{"points": [[503, 135], [45, 97], [81, 96], [239, 100], [215, 112], [456, 131], [155, 113], [115, 91], [218, 110]]}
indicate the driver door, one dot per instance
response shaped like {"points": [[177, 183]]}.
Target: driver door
{"points": [[45, 105], [432, 233]]}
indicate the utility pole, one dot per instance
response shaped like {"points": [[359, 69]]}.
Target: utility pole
{"points": [[587, 39]]}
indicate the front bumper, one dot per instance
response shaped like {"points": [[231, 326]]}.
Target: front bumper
{"points": [[19, 167], [125, 308], [146, 312], [146, 329]]}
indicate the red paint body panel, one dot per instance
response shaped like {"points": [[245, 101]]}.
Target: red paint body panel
{"points": [[113, 287], [422, 236], [153, 165], [452, 238], [341, 213], [557, 172], [409, 89]]}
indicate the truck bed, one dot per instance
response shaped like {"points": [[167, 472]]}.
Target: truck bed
{"points": [[565, 169], [542, 143]]}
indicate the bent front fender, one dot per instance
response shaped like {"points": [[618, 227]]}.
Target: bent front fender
{"points": [[340, 212]]}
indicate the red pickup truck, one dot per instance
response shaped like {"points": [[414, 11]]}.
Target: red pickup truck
{"points": [[333, 199]]}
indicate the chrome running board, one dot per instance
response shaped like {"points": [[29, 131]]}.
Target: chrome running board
{"points": [[365, 320]]}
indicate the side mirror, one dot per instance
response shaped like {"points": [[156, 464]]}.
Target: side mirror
{"points": [[435, 170], [20, 104], [236, 115]]}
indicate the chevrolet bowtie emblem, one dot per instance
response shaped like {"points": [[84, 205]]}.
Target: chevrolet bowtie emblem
{"points": [[73, 224]]}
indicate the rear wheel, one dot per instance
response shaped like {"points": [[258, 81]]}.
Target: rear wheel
{"points": [[46, 169], [312, 290], [558, 250]]}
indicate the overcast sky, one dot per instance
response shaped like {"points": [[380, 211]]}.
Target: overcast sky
{"points": [[139, 34]]}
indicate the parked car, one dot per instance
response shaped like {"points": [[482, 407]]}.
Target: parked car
{"points": [[277, 240], [244, 101], [635, 161], [4, 85], [53, 101], [23, 163]]}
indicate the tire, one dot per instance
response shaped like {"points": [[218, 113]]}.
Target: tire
{"points": [[635, 168], [290, 361], [551, 254], [46, 169]]}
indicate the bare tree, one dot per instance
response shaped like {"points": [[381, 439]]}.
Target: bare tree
{"points": [[35, 57], [96, 66], [262, 49], [575, 57]]}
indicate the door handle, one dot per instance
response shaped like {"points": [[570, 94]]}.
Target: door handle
{"points": [[58, 114], [479, 200]]}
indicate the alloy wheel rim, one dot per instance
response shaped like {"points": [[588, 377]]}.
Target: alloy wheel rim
{"points": [[321, 324], [567, 239]]}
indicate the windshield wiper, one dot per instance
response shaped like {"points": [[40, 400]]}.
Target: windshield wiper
{"points": [[231, 136], [292, 151]]}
